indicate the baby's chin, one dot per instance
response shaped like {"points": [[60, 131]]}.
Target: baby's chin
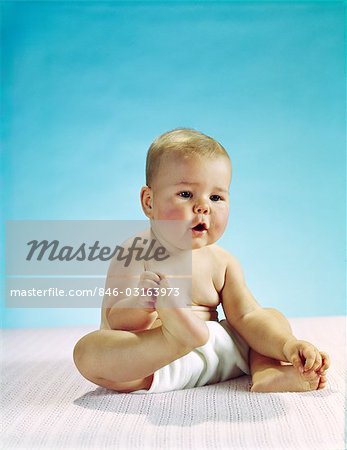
{"points": [[196, 245]]}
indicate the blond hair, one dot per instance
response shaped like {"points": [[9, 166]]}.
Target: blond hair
{"points": [[186, 142]]}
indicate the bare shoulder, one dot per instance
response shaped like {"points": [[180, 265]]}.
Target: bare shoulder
{"points": [[226, 259], [225, 267], [125, 263]]}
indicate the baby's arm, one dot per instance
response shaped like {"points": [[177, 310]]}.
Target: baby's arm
{"points": [[259, 326]]}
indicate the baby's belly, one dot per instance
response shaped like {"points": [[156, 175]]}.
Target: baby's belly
{"points": [[204, 312]]}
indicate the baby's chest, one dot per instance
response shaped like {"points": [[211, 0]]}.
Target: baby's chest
{"points": [[204, 293], [206, 286]]}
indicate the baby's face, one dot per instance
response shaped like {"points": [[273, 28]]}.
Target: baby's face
{"points": [[194, 190]]}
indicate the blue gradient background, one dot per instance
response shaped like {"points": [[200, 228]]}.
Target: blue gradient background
{"points": [[86, 87]]}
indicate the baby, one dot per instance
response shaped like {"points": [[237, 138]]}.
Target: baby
{"points": [[146, 344]]}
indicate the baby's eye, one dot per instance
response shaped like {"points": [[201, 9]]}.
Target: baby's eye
{"points": [[215, 198], [185, 194]]}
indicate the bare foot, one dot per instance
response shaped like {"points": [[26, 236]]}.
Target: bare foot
{"points": [[286, 378], [180, 325]]}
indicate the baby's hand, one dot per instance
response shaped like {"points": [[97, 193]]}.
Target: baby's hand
{"points": [[159, 291], [305, 356], [149, 283]]}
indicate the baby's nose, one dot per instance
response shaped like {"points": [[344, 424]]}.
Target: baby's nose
{"points": [[201, 209]]}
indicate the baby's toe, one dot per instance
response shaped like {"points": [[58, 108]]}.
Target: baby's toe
{"points": [[322, 382], [325, 360], [317, 365]]}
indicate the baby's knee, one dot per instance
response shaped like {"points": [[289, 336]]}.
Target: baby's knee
{"points": [[78, 352], [275, 312], [82, 353]]}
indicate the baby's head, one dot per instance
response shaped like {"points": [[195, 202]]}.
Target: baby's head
{"points": [[187, 178], [184, 143]]}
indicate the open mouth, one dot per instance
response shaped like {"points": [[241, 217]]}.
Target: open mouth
{"points": [[200, 227]]}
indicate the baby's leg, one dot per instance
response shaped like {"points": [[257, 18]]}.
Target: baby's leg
{"points": [[126, 360], [270, 375]]}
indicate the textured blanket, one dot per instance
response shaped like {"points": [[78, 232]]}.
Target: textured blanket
{"points": [[46, 404]]}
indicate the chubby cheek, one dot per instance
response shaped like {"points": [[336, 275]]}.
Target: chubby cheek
{"points": [[171, 213], [221, 222]]}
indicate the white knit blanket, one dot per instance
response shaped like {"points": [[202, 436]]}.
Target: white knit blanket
{"points": [[46, 404]]}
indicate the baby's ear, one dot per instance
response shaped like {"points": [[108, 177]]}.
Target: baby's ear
{"points": [[146, 196]]}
